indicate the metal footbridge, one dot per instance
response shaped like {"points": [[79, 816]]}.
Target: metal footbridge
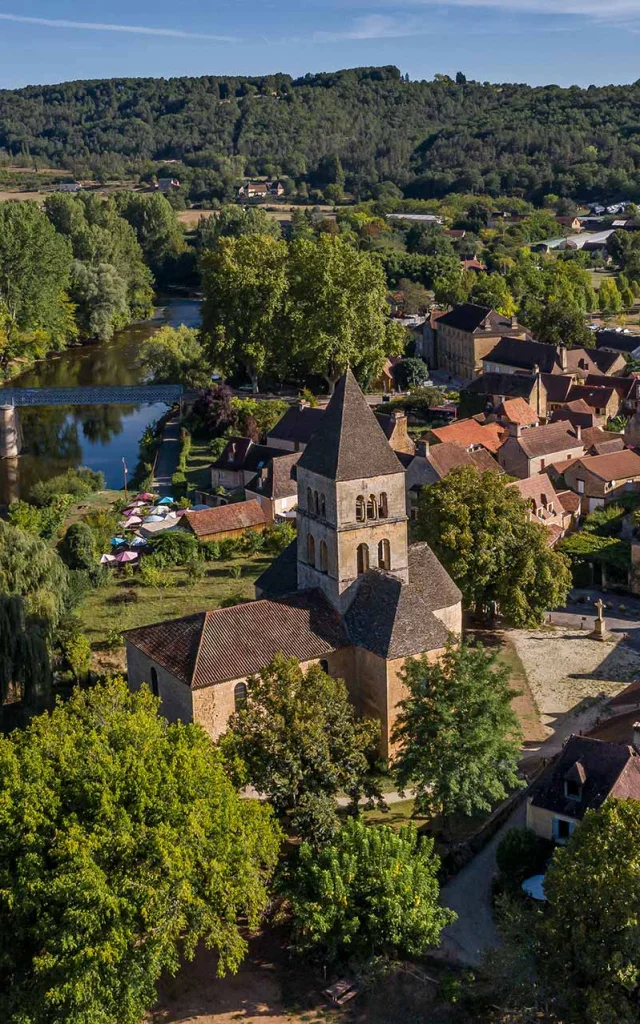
{"points": [[126, 394]]}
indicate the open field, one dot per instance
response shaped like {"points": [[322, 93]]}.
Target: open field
{"points": [[37, 197]]}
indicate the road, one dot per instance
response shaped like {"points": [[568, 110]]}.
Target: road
{"points": [[168, 457]]}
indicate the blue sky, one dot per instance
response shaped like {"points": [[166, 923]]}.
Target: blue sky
{"points": [[535, 41]]}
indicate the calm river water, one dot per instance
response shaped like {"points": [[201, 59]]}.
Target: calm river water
{"points": [[99, 436]]}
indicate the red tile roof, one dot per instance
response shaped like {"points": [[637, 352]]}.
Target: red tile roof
{"points": [[553, 437], [232, 643], [517, 410], [240, 516], [470, 433], [616, 466]]}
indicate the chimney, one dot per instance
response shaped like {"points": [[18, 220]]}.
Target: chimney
{"points": [[514, 322], [636, 736], [302, 404], [422, 447], [515, 429], [578, 430], [562, 356]]}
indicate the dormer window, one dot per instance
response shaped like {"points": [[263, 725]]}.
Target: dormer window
{"points": [[572, 790], [574, 781]]}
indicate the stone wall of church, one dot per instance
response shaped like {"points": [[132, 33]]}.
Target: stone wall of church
{"points": [[369, 689], [175, 696], [397, 691], [451, 617]]}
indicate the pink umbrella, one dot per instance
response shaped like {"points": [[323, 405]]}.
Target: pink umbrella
{"points": [[145, 496], [132, 521], [107, 559], [126, 556]]}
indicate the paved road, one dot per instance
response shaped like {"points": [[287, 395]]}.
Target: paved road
{"points": [[168, 457]]}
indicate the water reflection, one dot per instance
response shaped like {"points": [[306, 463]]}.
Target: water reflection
{"points": [[100, 436]]}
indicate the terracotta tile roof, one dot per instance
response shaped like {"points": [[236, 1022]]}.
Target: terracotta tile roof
{"points": [[232, 643], [554, 533], [617, 466], [350, 445], [537, 489], [517, 410], [569, 500], [394, 619], [601, 441], [238, 516], [553, 437], [468, 432], [447, 456], [610, 769]]}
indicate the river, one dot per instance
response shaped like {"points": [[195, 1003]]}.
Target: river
{"points": [[100, 436]]}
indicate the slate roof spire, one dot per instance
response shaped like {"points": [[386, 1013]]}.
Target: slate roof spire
{"points": [[350, 443]]}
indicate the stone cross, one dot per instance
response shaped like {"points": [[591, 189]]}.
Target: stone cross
{"points": [[600, 605]]}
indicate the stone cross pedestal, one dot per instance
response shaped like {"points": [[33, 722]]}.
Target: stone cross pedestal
{"points": [[599, 627]]}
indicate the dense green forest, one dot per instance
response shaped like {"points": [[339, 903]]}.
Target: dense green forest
{"points": [[428, 138]]}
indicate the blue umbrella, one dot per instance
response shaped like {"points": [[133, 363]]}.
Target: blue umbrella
{"points": [[137, 542], [166, 501], [117, 541]]}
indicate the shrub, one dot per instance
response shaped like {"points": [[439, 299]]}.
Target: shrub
{"points": [[211, 550], [278, 537], [520, 854], [113, 639], [77, 547], [252, 542], [153, 576], [235, 572], [228, 548], [80, 483], [196, 570], [175, 547]]}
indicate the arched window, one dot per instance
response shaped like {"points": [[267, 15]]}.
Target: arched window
{"points": [[383, 508], [384, 555], [324, 557], [309, 500], [240, 696], [372, 507], [360, 509], [154, 682], [363, 558], [323, 507], [316, 502], [324, 665], [311, 550]]}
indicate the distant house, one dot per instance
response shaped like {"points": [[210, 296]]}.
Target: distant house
{"points": [[465, 334], [69, 186], [226, 521], [420, 218], [600, 479], [166, 185], [486, 393], [527, 452], [516, 410], [513, 355], [472, 435], [432, 463], [573, 223], [296, 428], [260, 189], [274, 486], [585, 774], [385, 380], [577, 412], [604, 401], [602, 442], [618, 341], [545, 506]]}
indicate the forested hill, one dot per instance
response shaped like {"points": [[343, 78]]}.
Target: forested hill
{"points": [[429, 138]]}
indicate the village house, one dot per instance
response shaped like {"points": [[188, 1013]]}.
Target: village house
{"points": [[350, 594], [432, 463], [578, 413], [275, 488], [527, 452], [472, 435], [572, 223], [260, 189], [486, 393], [600, 479], [166, 185], [601, 442], [516, 410], [225, 521], [545, 505], [618, 341], [294, 430], [465, 335], [512, 355], [239, 462], [585, 774], [604, 402]]}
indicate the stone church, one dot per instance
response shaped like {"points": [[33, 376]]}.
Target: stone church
{"points": [[350, 593]]}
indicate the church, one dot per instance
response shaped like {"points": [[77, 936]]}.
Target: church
{"points": [[350, 593]]}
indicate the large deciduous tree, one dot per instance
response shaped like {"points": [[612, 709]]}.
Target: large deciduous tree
{"points": [[245, 285], [479, 527], [122, 845], [590, 937], [338, 310], [32, 570], [457, 733], [371, 892], [302, 742], [175, 355]]}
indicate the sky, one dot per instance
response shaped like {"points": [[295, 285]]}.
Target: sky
{"points": [[536, 41]]}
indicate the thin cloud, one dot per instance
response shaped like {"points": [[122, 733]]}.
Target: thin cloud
{"points": [[96, 26], [593, 9], [373, 26]]}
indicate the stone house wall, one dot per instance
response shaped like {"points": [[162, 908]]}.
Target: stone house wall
{"points": [[176, 703]]}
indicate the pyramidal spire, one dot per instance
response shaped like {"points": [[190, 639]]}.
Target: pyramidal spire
{"points": [[350, 444]]}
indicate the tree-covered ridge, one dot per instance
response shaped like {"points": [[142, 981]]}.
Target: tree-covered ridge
{"points": [[429, 137]]}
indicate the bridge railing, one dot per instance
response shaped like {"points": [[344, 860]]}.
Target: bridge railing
{"points": [[126, 394]]}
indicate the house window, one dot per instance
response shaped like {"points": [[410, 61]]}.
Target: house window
{"points": [[580, 484], [324, 665], [363, 558], [372, 507], [316, 502], [562, 829], [240, 696], [324, 557], [383, 509], [384, 555], [323, 507], [154, 682], [311, 550], [360, 507], [572, 789]]}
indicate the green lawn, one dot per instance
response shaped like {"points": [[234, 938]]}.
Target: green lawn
{"points": [[108, 608], [198, 465]]}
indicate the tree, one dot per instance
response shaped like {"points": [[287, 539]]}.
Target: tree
{"points": [[174, 355], [234, 222], [519, 854], [410, 373], [371, 892], [25, 671], [590, 936], [337, 310], [415, 298], [35, 268], [458, 734], [156, 226], [609, 300], [556, 324], [30, 569], [245, 283], [101, 296], [302, 742], [122, 845], [77, 547], [492, 290], [479, 528]]}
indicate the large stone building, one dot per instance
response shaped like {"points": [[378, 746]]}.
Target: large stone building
{"points": [[350, 593], [466, 334]]}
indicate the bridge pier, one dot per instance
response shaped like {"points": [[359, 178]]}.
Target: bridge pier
{"points": [[10, 433]]}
